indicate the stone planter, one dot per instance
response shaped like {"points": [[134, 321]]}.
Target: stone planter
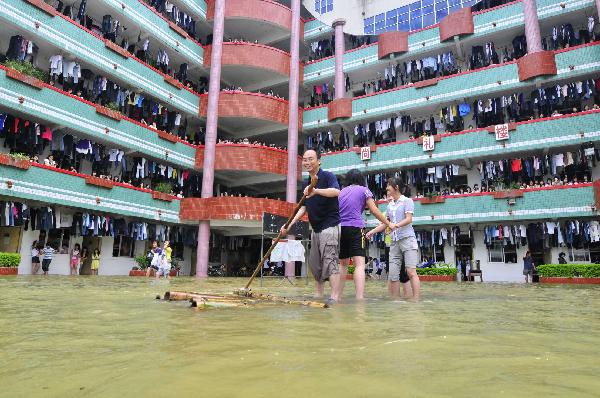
{"points": [[142, 272], [109, 113], [9, 270], [570, 281], [162, 196], [167, 137], [432, 200], [512, 193], [8, 160], [437, 278], [26, 79], [99, 182]]}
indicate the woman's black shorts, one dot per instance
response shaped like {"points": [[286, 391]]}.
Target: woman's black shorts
{"points": [[352, 242]]}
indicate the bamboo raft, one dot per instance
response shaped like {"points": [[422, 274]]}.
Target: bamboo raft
{"points": [[240, 298], [244, 297]]}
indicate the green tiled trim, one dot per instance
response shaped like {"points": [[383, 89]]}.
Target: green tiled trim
{"points": [[315, 28], [484, 82], [505, 18], [198, 7], [159, 28], [60, 109], [71, 39], [52, 187], [529, 136], [542, 204]]}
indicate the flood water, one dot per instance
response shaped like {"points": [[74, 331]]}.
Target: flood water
{"points": [[109, 337]]}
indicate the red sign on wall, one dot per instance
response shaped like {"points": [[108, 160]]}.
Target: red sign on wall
{"points": [[365, 153], [501, 131]]}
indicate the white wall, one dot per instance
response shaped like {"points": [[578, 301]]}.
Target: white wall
{"points": [[58, 266], [110, 265], [497, 272], [186, 264], [27, 239]]}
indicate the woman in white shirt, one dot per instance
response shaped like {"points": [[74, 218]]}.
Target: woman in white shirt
{"points": [[35, 258]]}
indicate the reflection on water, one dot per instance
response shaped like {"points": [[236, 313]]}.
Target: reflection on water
{"points": [[109, 337]]}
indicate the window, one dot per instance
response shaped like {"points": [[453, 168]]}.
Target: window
{"points": [[502, 252], [579, 255], [496, 252], [428, 20], [419, 14], [432, 253], [380, 23], [58, 239], [403, 22], [391, 22], [323, 6], [177, 250], [369, 25], [123, 246]]}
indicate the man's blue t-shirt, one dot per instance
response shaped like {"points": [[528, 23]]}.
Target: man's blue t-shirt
{"points": [[323, 212]]}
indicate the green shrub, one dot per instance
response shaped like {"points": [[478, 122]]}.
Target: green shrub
{"points": [[163, 187], [19, 156], [569, 270], [436, 271], [11, 260], [113, 106], [142, 261], [27, 68]]}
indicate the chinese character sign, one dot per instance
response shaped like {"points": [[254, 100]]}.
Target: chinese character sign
{"points": [[502, 132], [428, 143], [365, 153]]}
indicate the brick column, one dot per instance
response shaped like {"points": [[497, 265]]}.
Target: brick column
{"points": [[208, 170], [340, 84], [532, 27], [291, 194]]}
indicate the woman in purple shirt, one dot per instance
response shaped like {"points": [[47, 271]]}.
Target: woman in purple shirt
{"points": [[353, 199]]}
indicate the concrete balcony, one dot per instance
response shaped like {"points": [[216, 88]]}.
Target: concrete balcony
{"points": [[54, 33], [50, 106], [59, 187], [244, 114], [561, 202], [427, 96]]}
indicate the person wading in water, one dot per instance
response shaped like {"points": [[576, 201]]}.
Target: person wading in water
{"points": [[322, 207]]}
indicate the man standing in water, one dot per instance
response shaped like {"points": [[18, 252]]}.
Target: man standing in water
{"points": [[404, 246], [322, 207]]}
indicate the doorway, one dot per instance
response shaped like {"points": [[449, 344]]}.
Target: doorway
{"points": [[91, 243], [463, 253]]}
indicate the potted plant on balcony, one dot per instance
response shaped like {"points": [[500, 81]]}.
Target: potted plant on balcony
{"points": [[511, 191], [25, 72], [9, 263], [162, 191], [17, 160], [569, 273], [432, 197]]}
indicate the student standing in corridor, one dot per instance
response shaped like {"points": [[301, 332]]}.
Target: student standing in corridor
{"points": [[404, 242], [322, 207]]}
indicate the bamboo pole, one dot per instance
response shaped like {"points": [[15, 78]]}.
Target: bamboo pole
{"points": [[183, 296], [203, 304], [285, 300], [313, 182]]}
